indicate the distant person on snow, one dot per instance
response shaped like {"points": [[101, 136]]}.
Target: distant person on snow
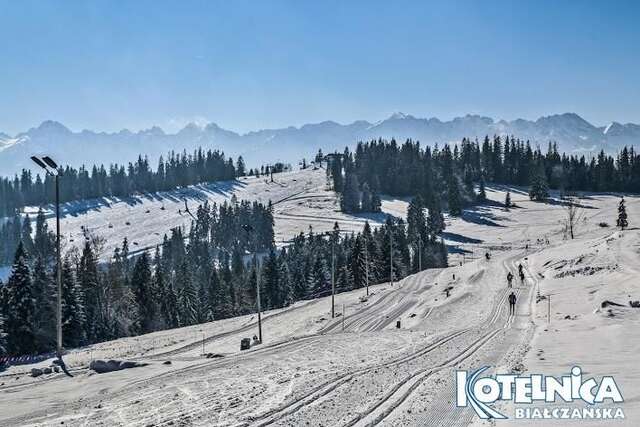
{"points": [[522, 276], [520, 269], [488, 256], [512, 303], [509, 278]]}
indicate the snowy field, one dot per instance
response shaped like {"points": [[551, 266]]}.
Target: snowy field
{"points": [[359, 369]]}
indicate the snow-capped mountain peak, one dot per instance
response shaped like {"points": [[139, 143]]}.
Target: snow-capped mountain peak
{"points": [[570, 131]]}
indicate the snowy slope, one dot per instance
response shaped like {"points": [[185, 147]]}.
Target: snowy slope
{"points": [[301, 199], [310, 372]]}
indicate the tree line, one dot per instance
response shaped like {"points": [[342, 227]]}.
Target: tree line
{"points": [[205, 274], [178, 170], [448, 176]]}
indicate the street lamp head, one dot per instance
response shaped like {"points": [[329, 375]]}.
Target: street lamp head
{"points": [[39, 162], [49, 161]]}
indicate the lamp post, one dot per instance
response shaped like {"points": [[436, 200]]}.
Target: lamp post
{"points": [[51, 168], [391, 253], [250, 230], [332, 235]]}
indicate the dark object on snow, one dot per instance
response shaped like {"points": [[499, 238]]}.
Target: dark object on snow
{"points": [[167, 362], [47, 371], [245, 344], [607, 303], [398, 324], [36, 372], [104, 366], [603, 224], [412, 315], [214, 356], [634, 304]]}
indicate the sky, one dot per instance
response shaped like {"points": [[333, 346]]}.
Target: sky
{"points": [[248, 65]]}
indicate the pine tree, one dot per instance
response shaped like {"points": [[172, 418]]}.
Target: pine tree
{"points": [[435, 220], [141, 286], [350, 196], [622, 215], [507, 201], [319, 278], [219, 301], [482, 195], [187, 296], [286, 296], [453, 197], [20, 322], [3, 336], [73, 317], [539, 189], [44, 290], [87, 277]]}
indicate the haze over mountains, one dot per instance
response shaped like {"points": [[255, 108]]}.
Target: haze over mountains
{"points": [[291, 144]]}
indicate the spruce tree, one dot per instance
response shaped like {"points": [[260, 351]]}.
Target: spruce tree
{"points": [[87, 277], [3, 336], [539, 189], [622, 215], [20, 322], [482, 195], [73, 317], [187, 296], [435, 220], [141, 286], [453, 197], [44, 291]]}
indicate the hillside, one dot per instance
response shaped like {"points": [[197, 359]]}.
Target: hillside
{"points": [[300, 199], [358, 369]]}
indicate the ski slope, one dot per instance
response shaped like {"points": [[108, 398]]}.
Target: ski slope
{"points": [[358, 369], [301, 199]]}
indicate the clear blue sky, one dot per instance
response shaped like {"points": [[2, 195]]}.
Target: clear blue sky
{"points": [[107, 65]]}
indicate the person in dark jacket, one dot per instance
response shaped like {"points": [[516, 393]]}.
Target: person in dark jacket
{"points": [[512, 303], [509, 278]]}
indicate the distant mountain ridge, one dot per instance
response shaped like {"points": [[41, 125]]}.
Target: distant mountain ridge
{"points": [[291, 144]]}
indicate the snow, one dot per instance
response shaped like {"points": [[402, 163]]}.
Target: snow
{"points": [[300, 198], [309, 371]]}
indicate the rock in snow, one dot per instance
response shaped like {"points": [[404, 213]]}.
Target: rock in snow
{"points": [[102, 366]]}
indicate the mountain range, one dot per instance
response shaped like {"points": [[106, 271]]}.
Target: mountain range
{"points": [[571, 132]]}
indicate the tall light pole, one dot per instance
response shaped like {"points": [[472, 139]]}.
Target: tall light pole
{"points": [[250, 230], [391, 253], [331, 236], [51, 168]]}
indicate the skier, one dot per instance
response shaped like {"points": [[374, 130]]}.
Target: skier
{"points": [[520, 269], [512, 303], [509, 278], [488, 256], [521, 276]]}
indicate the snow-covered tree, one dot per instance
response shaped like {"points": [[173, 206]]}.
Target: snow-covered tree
{"points": [[20, 322], [622, 215]]}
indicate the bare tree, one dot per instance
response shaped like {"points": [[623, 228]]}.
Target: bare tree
{"points": [[574, 214]]}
